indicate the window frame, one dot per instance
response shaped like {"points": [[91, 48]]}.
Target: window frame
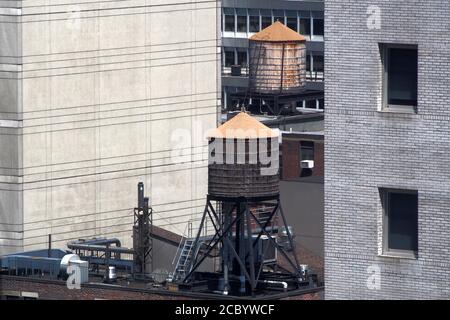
{"points": [[225, 15], [386, 251], [384, 51]]}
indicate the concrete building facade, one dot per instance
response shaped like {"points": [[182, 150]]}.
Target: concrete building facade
{"points": [[95, 97], [378, 150]]}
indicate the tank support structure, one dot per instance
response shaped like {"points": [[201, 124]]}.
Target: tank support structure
{"points": [[237, 233]]}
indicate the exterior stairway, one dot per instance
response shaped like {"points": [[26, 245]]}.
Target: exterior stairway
{"points": [[184, 259]]}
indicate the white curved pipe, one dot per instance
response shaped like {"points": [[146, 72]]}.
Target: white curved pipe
{"points": [[283, 283]]}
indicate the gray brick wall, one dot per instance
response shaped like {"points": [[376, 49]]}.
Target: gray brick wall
{"points": [[367, 149]]}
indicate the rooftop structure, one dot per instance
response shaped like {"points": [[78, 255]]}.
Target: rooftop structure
{"points": [[243, 126], [277, 61], [278, 32], [243, 19]]}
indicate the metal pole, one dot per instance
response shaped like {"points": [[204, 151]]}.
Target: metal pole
{"points": [[282, 69], [291, 242], [250, 245], [49, 245]]}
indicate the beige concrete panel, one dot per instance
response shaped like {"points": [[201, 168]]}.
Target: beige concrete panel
{"points": [[170, 27], [171, 80], [121, 140], [36, 95], [36, 38], [122, 85], [34, 150], [74, 33], [73, 90], [73, 145], [71, 200], [121, 31]]}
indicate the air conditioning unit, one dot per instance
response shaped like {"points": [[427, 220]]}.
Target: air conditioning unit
{"points": [[307, 164]]}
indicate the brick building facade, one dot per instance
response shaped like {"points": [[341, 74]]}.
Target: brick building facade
{"points": [[371, 148], [302, 146]]}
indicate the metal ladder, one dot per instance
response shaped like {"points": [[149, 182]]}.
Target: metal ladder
{"points": [[184, 253], [184, 260]]}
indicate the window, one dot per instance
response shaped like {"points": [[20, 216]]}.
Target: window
{"points": [[318, 27], [278, 15], [400, 222], [311, 104], [241, 21], [253, 23], [292, 23], [229, 57], [305, 26], [266, 18], [308, 62], [321, 104], [318, 63], [229, 22], [400, 77], [242, 58]]}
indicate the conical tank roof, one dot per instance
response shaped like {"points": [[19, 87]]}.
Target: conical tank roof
{"points": [[243, 126], [278, 32]]}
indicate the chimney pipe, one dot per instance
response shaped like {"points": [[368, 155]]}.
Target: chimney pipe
{"points": [[141, 200]]}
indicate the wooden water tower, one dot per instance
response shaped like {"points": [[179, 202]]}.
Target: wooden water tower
{"points": [[243, 205], [277, 60], [233, 179]]}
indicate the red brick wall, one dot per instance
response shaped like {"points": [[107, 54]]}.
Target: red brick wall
{"points": [[57, 290], [291, 159], [318, 159], [49, 290]]}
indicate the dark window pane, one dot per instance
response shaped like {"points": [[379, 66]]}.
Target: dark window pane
{"points": [[402, 77], [321, 104], [307, 148], [402, 221], [305, 26], [318, 27], [292, 23], [229, 23], [254, 24], [229, 58], [310, 104], [265, 22], [241, 23], [280, 18], [242, 58], [308, 62], [318, 63]]}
